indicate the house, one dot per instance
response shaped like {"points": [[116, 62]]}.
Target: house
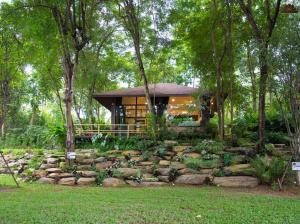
{"points": [[182, 106]]}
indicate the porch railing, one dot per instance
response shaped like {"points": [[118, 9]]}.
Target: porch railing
{"points": [[88, 130]]}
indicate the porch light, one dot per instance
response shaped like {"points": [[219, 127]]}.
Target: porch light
{"points": [[173, 100]]}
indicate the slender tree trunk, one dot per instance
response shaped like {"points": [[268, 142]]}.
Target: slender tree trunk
{"points": [[251, 68], [143, 76], [262, 97], [69, 85], [60, 105]]}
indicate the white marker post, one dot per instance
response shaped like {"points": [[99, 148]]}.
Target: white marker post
{"points": [[296, 167]]}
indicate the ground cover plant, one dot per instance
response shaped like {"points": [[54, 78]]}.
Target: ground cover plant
{"points": [[34, 203]]}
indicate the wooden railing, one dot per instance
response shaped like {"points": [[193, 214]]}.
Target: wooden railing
{"points": [[88, 130]]}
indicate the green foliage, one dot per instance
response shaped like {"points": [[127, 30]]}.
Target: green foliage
{"points": [[228, 157], [33, 136], [210, 146], [269, 170], [246, 127], [101, 176], [198, 164]]}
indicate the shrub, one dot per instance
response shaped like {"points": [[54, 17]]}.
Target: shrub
{"points": [[198, 164], [269, 170], [210, 146], [101, 176]]}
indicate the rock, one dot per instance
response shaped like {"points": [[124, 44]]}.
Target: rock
{"points": [[169, 153], [163, 171], [177, 165], [192, 179], [52, 160], [207, 171], [188, 171], [192, 155], [164, 163], [170, 143], [69, 181], [53, 170], [239, 170], [86, 161], [131, 153], [100, 160], [146, 184], [146, 163], [136, 159], [237, 181], [104, 165], [84, 167], [238, 159], [114, 152], [86, 181], [180, 148], [54, 175], [39, 173], [47, 166], [22, 162], [87, 173], [113, 182], [128, 172], [64, 175], [240, 150], [45, 180], [164, 179]]}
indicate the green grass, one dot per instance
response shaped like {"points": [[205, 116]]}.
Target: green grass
{"points": [[34, 203]]}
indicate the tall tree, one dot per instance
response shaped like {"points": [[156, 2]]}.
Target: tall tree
{"points": [[262, 36], [129, 11]]}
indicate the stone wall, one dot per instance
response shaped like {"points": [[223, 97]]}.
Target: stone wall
{"points": [[136, 168]]}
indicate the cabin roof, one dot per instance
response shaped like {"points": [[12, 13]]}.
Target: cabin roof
{"points": [[157, 90]]}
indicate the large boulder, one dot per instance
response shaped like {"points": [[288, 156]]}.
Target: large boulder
{"points": [[113, 182], [237, 181], [46, 180], [191, 179], [52, 160], [39, 173], [177, 165], [127, 172], [53, 170], [180, 148], [164, 179], [87, 173], [69, 181], [131, 153], [162, 171], [86, 181], [54, 175], [103, 165], [147, 177], [64, 175], [45, 166], [194, 155], [164, 163], [188, 171], [239, 170], [146, 184]]}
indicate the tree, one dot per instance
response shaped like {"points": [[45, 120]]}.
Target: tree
{"points": [[129, 12], [262, 36]]}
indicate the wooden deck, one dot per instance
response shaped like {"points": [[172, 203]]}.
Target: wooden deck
{"points": [[89, 130]]}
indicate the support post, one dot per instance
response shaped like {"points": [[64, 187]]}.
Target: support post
{"points": [[10, 171]]}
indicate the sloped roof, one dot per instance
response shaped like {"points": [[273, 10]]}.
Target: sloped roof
{"points": [[159, 90]]}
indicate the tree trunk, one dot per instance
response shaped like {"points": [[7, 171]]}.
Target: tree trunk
{"points": [[262, 97], [251, 68], [143, 75], [69, 83]]}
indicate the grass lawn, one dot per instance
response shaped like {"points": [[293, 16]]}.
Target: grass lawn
{"points": [[34, 203]]}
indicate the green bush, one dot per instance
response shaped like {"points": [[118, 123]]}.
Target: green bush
{"points": [[198, 164], [267, 169], [210, 146]]}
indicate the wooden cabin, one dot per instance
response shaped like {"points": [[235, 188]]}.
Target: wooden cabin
{"points": [[177, 103]]}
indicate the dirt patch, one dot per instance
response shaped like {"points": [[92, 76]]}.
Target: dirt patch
{"points": [[290, 192]]}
